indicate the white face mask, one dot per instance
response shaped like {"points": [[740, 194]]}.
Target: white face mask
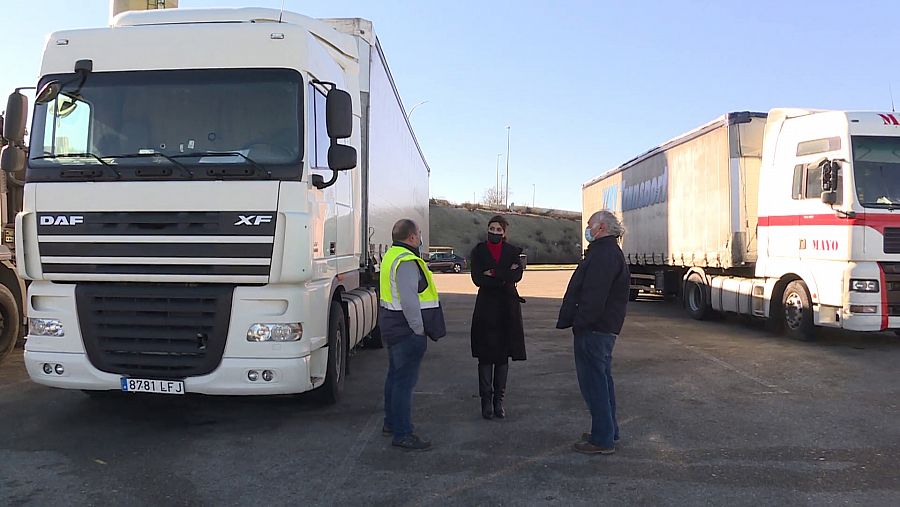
{"points": [[589, 234]]}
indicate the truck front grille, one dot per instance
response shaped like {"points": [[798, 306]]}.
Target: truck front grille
{"points": [[154, 330], [179, 246], [892, 286], [892, 240]]}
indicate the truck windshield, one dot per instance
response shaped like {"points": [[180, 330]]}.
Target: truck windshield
{"points": [[876, 165], [175, 124]]}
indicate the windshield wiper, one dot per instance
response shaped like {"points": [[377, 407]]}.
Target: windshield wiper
{"points": [[891, 206], [223, 172], [81, 173], [185, 170]]}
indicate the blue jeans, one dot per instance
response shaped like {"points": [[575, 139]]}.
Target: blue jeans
{"points": [[403, 372], [593, 361]]}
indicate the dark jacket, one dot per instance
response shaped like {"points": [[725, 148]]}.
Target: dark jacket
{"points": [[497, 333], [598, 291]]}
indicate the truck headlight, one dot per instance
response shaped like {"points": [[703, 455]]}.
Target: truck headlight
{"points": [[864, 285], [264, 332], [45, 327]]}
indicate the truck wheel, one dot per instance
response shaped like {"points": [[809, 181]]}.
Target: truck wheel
{"points": [[9, 322], [457, 268], [796, 311], [633, 294], [330, 392], [696, 298]]}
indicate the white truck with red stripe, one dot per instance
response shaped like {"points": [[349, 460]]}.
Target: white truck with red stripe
{"points": [[791, 216]]}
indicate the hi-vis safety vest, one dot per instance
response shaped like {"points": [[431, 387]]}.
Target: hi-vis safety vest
{"points": [[390, 296]]}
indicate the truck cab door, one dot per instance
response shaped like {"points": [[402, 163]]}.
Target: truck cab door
{"points": [[317, 153], [821, 235], [783, 210]]}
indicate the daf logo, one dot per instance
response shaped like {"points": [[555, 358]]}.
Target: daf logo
{"points": [[62, 220], [253, 219]]}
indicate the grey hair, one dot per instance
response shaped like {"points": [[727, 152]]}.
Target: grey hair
{"points": [[613, 225]]}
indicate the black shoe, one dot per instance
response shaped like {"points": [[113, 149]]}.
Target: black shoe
{"points": [[487, 411], [386, 432], [589, 448], [586, 437], [412, 443], [499, 411], [485, 389], [500, 374]]}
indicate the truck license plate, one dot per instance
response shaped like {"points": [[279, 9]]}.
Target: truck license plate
{"points": [[140, 385]]}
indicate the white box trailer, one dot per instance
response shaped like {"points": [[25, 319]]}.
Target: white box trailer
{"points": [[706, 181], [392, 154], [785, 215], [210, 220]]}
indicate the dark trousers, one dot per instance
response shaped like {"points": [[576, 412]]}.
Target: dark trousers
{"points": [[593, 362], [404, 358]]}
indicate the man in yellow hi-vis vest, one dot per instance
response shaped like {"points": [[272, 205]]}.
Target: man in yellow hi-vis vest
{"points": [[410, 314]]}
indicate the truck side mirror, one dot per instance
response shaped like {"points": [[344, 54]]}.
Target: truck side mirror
{"points": [[13, 155], [12, 158], [338, 115], [16, 116], [830, 170], [48, 92], [341, 157]]}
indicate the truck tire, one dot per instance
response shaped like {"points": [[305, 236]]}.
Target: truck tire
{"points": [[330, 392], [796, 312], [633, 294], [696, 298], [9, 322]]}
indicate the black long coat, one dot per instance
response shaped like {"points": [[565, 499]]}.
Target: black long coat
{"points": [[497, 332]]}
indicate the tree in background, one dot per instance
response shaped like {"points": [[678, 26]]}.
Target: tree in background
{"points": [[492, 197]]}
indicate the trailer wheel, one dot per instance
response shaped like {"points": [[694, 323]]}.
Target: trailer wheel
{"points": [[330, 392], [696, 297], [9, 322], [796, 312]]}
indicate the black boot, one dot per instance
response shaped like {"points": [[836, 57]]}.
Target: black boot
{"points": [[485, 374], [500, 373]]}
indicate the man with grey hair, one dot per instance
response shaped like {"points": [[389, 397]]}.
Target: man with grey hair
{"points": [[594, 307]]}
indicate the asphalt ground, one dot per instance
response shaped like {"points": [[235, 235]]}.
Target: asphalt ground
{"points": [[711, 413]]}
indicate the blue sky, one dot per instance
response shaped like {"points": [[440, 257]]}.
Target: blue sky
{"points": [[583, 86]]}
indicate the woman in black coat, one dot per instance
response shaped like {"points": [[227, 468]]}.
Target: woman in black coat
{"points": [[497, 333]]}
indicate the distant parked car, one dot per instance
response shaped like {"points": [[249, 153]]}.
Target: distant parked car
{"points": [[446, 262]]}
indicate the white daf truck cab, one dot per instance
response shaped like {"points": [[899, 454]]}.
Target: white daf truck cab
{"points": [[208, 193]]}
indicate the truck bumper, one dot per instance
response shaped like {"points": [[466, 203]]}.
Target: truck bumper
{"points": [[230, 378], [860, 322]]}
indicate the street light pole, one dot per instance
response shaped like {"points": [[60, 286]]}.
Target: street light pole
{"points": [[507, 167], [414, 108], [498, 176]]}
